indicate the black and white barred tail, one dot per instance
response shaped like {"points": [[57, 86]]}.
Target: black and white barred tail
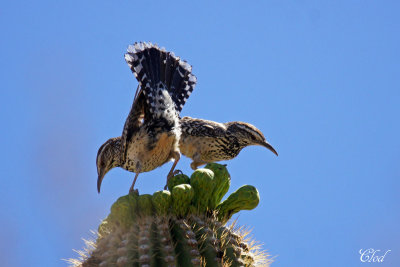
{"points": [[156, 70]]}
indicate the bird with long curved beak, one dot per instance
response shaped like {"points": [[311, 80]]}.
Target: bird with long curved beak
{"points": [[206, 141]]}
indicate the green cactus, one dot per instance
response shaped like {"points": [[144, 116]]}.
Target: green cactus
{"points": [[202, 181], [177, 180], [222, 182], [122, 211], [184, 227], [182, 196], [146, 205], [245, 198], [162, 201]]}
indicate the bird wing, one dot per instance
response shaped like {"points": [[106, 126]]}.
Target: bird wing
{"points": [[202, 128], [135, 119]]}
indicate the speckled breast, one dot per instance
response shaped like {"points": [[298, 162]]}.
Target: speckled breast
{"points": [[142, 157]]}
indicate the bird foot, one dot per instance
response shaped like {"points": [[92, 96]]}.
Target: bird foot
{"points": [[170, 175], [133, 191]]}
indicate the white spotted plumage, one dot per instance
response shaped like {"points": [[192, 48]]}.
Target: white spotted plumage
{"points": [[152, 130]]}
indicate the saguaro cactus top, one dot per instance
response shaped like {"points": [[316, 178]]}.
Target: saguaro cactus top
{"points": [[185, 226]]}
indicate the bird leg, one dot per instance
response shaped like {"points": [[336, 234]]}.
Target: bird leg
{"points": [[133, 184], [177, 156]]}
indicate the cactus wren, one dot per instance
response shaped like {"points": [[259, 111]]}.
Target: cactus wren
{"points": [[207, 141], [152, 130]]}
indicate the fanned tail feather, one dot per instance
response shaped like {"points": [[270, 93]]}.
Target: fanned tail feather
{"points": [[156, 68]]}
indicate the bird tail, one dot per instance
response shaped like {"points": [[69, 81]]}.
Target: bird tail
{"points": [[156, 69]]}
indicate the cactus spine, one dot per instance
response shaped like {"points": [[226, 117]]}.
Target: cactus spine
{"points": [[181, 227]]}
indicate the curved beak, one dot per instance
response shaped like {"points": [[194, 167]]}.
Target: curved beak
{"points": [[99, 180], [267, 145]]}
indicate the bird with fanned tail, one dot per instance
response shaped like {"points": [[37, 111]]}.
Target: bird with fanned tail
{"points": [[151, 133]]}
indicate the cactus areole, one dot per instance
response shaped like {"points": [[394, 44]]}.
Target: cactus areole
{"points": [[184, 226]]}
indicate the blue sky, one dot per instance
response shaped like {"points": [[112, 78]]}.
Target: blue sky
{"points": [[319, 78]]}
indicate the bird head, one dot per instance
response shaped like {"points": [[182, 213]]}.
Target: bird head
{"points": [[108, 157], [248, 134]]}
